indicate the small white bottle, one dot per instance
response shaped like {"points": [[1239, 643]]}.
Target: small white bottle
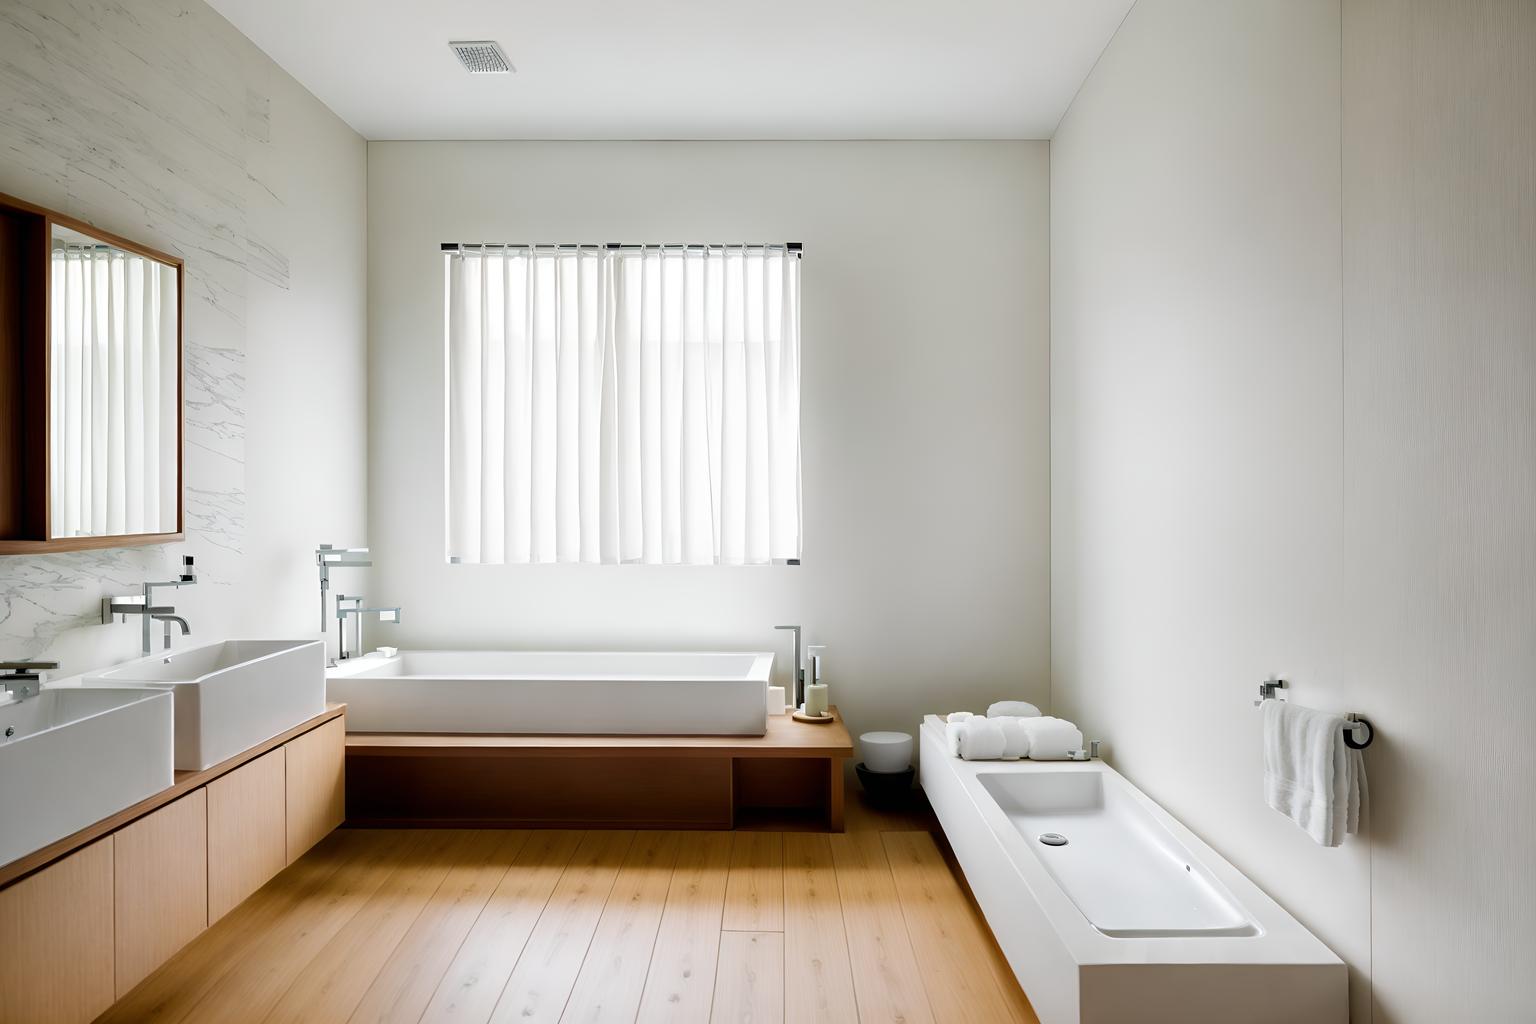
{"points": [[815, 689]]}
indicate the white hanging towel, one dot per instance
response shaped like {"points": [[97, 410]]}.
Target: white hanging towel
{"points": [[1310, 775]]}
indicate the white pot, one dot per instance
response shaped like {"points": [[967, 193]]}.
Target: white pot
{"points": [[886, 752]]}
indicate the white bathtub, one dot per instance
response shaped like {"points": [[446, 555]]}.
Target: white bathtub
{"points": [[1134, 919], [537, 692]]}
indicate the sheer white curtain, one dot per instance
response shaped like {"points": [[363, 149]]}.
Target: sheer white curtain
{"points": [[112, 387], [623, 405]]}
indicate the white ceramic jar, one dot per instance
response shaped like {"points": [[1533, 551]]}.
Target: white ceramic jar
{"points": [[886, 752]]}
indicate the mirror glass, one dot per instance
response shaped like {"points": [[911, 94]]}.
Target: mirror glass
{"points": [[114, 378]]}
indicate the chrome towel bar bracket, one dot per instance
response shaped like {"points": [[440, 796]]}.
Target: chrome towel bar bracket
{"points": [[1267, 690]]}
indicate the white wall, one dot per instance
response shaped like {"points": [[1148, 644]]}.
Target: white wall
{"points": [[1292, 369], [1440, 492], [925, 405], [159, 121], [1196, 412]]}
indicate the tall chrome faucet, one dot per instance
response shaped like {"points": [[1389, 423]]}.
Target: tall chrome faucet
{"points": [[145, 607], [797, 675], [328, 557]]}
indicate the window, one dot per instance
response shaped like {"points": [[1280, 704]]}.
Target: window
{"points": [[623, 404]]}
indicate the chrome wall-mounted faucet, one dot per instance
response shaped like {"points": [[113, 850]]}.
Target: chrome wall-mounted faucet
{"points": [[357, 611], [144, 606], [23, 679]]}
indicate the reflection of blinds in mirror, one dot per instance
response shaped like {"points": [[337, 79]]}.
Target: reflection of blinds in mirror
{"points": [[112, 393]]}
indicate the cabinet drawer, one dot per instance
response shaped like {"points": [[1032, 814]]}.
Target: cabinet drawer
{"points": [[316, 785], [246, 831], [56, 940], [161, 890]]}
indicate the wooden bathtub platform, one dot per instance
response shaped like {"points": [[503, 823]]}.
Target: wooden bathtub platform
{"points": [[790, 778]]}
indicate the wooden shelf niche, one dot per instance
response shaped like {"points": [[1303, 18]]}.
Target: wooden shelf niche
{"points": [[793, 775]]}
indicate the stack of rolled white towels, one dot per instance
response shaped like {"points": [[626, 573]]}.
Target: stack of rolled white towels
{"points": [[1012, 729]]}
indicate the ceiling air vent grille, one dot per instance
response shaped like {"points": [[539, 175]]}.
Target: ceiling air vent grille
{"points": [[481, 57]]}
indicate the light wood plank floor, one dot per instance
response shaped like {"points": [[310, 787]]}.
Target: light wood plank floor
{"points": [[560, 926]]}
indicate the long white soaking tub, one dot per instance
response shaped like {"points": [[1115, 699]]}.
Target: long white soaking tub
{"points": [[537, 692], [1133, 918]]}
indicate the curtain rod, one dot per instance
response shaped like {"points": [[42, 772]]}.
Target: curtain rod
{"points": [[792, 248]]}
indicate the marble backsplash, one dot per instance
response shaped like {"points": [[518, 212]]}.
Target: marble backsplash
{"points": [[148, 119]]}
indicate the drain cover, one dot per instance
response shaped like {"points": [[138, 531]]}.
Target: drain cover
{"points": [[1053, 839]]}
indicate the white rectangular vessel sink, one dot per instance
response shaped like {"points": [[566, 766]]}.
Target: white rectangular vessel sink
{"points": [[233, 695], [74, 756]]}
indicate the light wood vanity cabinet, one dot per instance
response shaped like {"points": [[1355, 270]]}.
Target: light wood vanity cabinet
{"points": [[316, 786], [160, 886], [56, 940], [118, 899], [246, 831]]}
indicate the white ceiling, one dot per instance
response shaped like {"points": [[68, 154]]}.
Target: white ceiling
{"points": [[691, 69]]}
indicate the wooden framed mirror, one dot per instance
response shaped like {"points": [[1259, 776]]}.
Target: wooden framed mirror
{"points": [[90, 386]]}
